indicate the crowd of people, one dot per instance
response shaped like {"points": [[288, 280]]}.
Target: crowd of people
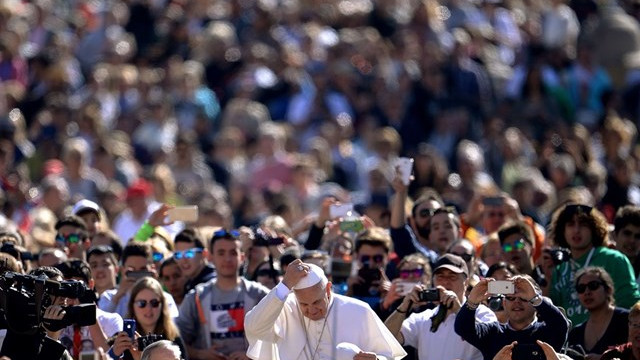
{"points": [[287, 126]]}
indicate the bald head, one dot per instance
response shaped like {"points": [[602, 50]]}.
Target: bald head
{"points": [[161, 350]]}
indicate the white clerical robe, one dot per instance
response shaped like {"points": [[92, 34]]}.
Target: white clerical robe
{"points": [[275, 330]]}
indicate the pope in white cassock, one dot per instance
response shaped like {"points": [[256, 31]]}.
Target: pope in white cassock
{"points": [[315, 323]]}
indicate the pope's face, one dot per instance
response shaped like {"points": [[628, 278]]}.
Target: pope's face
{"points": [[314, 301]]}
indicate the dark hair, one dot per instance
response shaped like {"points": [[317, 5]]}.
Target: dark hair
{"points": [[49, 271], [516, 227], [502, 265], [102, 250], [71, 220], [114, 241], [428, 194], [586, 214], [374, 236], [166, 262], [224, 234], [134, 248], [189, 235], [602, 275], [626, 215], [75, 268]]}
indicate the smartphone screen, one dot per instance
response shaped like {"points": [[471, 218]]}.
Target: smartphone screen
{"points": [[129, 326]]}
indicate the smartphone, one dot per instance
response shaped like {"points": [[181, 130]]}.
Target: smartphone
{"points": [[354, 226], [501, 287], [139, 274], [278, 240], [339, 210], [369, 274], [89, 355], [183, 213], [527, 352], [493, 201], [129, 326], [403, 166], [430, 295], [404, 287]]}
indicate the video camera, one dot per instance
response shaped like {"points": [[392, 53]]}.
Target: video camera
{"points": [[24, 299], [559, 255]]}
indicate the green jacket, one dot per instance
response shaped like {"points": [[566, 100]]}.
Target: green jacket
{"points": [[563, 291]]}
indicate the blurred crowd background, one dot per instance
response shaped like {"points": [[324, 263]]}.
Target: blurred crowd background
{"points": [[255, 108]]}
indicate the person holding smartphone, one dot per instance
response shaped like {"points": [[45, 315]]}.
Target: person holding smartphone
{"points": [[525, 308]]}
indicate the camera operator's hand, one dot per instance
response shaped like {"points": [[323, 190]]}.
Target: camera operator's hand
{"points": [[480, 292], [449, 299], [505, 352], [52, 321]]}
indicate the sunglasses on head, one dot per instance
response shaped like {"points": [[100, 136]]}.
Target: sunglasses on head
{"points": [[143, 303], [158, 256], [578, 209], [413, 273], [367, 258], [187, 254], [517, 245], [71, 238], [223, 233], [592, 285]]}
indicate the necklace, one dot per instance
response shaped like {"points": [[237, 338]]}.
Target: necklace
{"points": [[306, 334]]}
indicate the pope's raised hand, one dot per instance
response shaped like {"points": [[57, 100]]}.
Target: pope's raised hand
{"points": [[295, 272]]}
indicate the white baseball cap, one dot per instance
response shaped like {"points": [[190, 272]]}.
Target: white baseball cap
{"points": [[84, 205]]}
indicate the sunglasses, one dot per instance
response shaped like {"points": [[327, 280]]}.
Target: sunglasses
{"points": [[71, 238], [413, 273], [158, 256], [187, 254], [514, 298], [592, 285], [143, 303], [367, 258], [578, 209], [426, 212], [223, 233], [464, 256], [516, 246]]}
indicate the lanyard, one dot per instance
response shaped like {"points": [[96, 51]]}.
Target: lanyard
{"points": [[573, 262]]}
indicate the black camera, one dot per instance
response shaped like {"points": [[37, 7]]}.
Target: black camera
{"points": [[429, 295], [527, 352], [559, 255], [262, 238], [495, 303]]}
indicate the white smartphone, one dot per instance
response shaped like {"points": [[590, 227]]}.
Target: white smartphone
{"points": [[504, 287], [183, 213], [405, 287], [339, 210], [404, 166]]}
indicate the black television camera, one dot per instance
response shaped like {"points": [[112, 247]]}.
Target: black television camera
{"points": [[23, 301], [559, 255]]}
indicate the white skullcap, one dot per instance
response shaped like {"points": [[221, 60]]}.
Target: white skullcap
{"points": [[315, 276]]}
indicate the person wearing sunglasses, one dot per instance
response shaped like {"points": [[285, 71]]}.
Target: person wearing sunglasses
{"points": [[211, 317], [413, 270], [147, 306], [370, 282], [410, 234], [193, 258], [465, 249], [72, 236], [607, 324], [585, 232], [525, 309]]}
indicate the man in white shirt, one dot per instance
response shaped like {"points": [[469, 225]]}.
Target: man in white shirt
{"points": [[430, 332], [315, 323]]}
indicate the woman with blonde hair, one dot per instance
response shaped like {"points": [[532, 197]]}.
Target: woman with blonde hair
{"points": [[148, 307]]}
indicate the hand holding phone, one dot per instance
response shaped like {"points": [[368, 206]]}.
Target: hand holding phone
{"points": [[129, 326], [183, 213], [504, 287], [139, 274], [403, 166]]}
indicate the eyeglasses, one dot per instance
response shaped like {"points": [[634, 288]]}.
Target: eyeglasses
{"points": [[158, 256], [514, 298], [367, 258], [223, 233], [445, 210], [426, 212], [413, 273], [71, 238], [516, 246], [592, 285], [187, 254], [143, 303], [464, 256]]}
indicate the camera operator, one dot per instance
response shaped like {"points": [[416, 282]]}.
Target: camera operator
{"points": [[431, 332], [91, 337], [41, 343], [522, 326]]}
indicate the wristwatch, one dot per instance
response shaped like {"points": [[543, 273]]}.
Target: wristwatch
{"points": [[536, 300]]}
